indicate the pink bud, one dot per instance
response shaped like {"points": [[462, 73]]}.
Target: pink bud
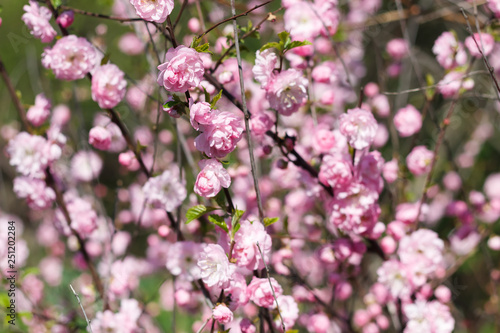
{"points": [[388, 245], [194, 25], [66, 18], [382, 322], [343, 290], [163, 231], [371, 89], [100, 138], [443, 294], [396, 229], [361, 318]]}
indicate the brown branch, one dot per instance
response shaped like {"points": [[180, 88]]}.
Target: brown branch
{"points": [[184, 5], [233, 18], [102, 16]]}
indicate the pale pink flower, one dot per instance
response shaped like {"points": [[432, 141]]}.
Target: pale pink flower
{"points": [[82, 215], [335, 171], [419, 160], [302, 22], [182, 259], [130, 44], [449, 52], [494, 6], [393, 275], [221, 136], [35, 191], [260, 123], [201, 115], [182, 70], [452, 181], [108, 86], [124, 321], [265, 63], [485, 41], [61, 115], [37, 19], [408, 121], [325, 72], [100, 137], [118, 142], [153, 10], [211, 178], [216, 270], [260, 292], [165, 191], [359, 126], [32, 154], [397, 49], [464, 240], [390, 171], [222, 314], [369, 170], [71, 58], [287, 91], [407, 212], [66, 18], [85, 166], [380, 105], [289, 311], [318, 323], [245, 251], [492, 186], [453, 83], [324, 140], [38, 113], [432, 317]]}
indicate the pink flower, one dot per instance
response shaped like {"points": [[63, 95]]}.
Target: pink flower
{"points": [[265, 62], [319, 323], [454, 83], [425, 316], [83, 217], [408, 121], [37, 19], [485, 41], [153, 10], [397, 48], [393, 275], [449, 52], [108, 86], [85, 166], [130, 44], [221, 136], [71, 58], [302, 21], [245, 251], [37, 194], [369, 170], [494, 6], [287, 91], [32, 154], [182, 259], [211, 178], [335, 171], [289, 311], [100, 137], [359, 126], [492, 186], [324, 140], [260, 123], [260, 292], [66, 18], [165, 191], [419, 160], [216, 270], [222, 314], [325, 72], [38, 113], [201, 115], [182, 70]]}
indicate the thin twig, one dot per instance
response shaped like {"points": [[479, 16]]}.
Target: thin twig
{"points": [[81, 306], [102, 16], [270, 284], [245, 110], [233, 17]]}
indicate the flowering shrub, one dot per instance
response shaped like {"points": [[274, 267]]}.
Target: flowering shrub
{"points": [[296, 166]]}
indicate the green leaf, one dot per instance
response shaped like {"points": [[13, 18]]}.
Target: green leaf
{"points": [[429, 92], [284, 36], [297, 43], [216, 99], [196, 42], [207, 95], [235, 221], [270, 220], [171, 104], [204, 48], [271, 45], [196, 212], [105, 60], [219, 221], [56, 3]]}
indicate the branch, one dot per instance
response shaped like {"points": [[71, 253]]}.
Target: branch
{"points": [[245, 110], [81, 306], [270, 284], [234, 17]]}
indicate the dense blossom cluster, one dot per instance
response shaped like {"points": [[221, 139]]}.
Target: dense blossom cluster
{"points": [[350, 209]]}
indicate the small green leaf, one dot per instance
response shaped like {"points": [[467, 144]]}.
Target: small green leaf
{"points": [[297, 43], [271, 45], [196, 42], [270, 220], [105, 60], [284, 36], [235, 221], [204, 48], [196, 212], [171, 104], [56, 3], [219, 221], [216, 99], [429, 92], [207, 95]]}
